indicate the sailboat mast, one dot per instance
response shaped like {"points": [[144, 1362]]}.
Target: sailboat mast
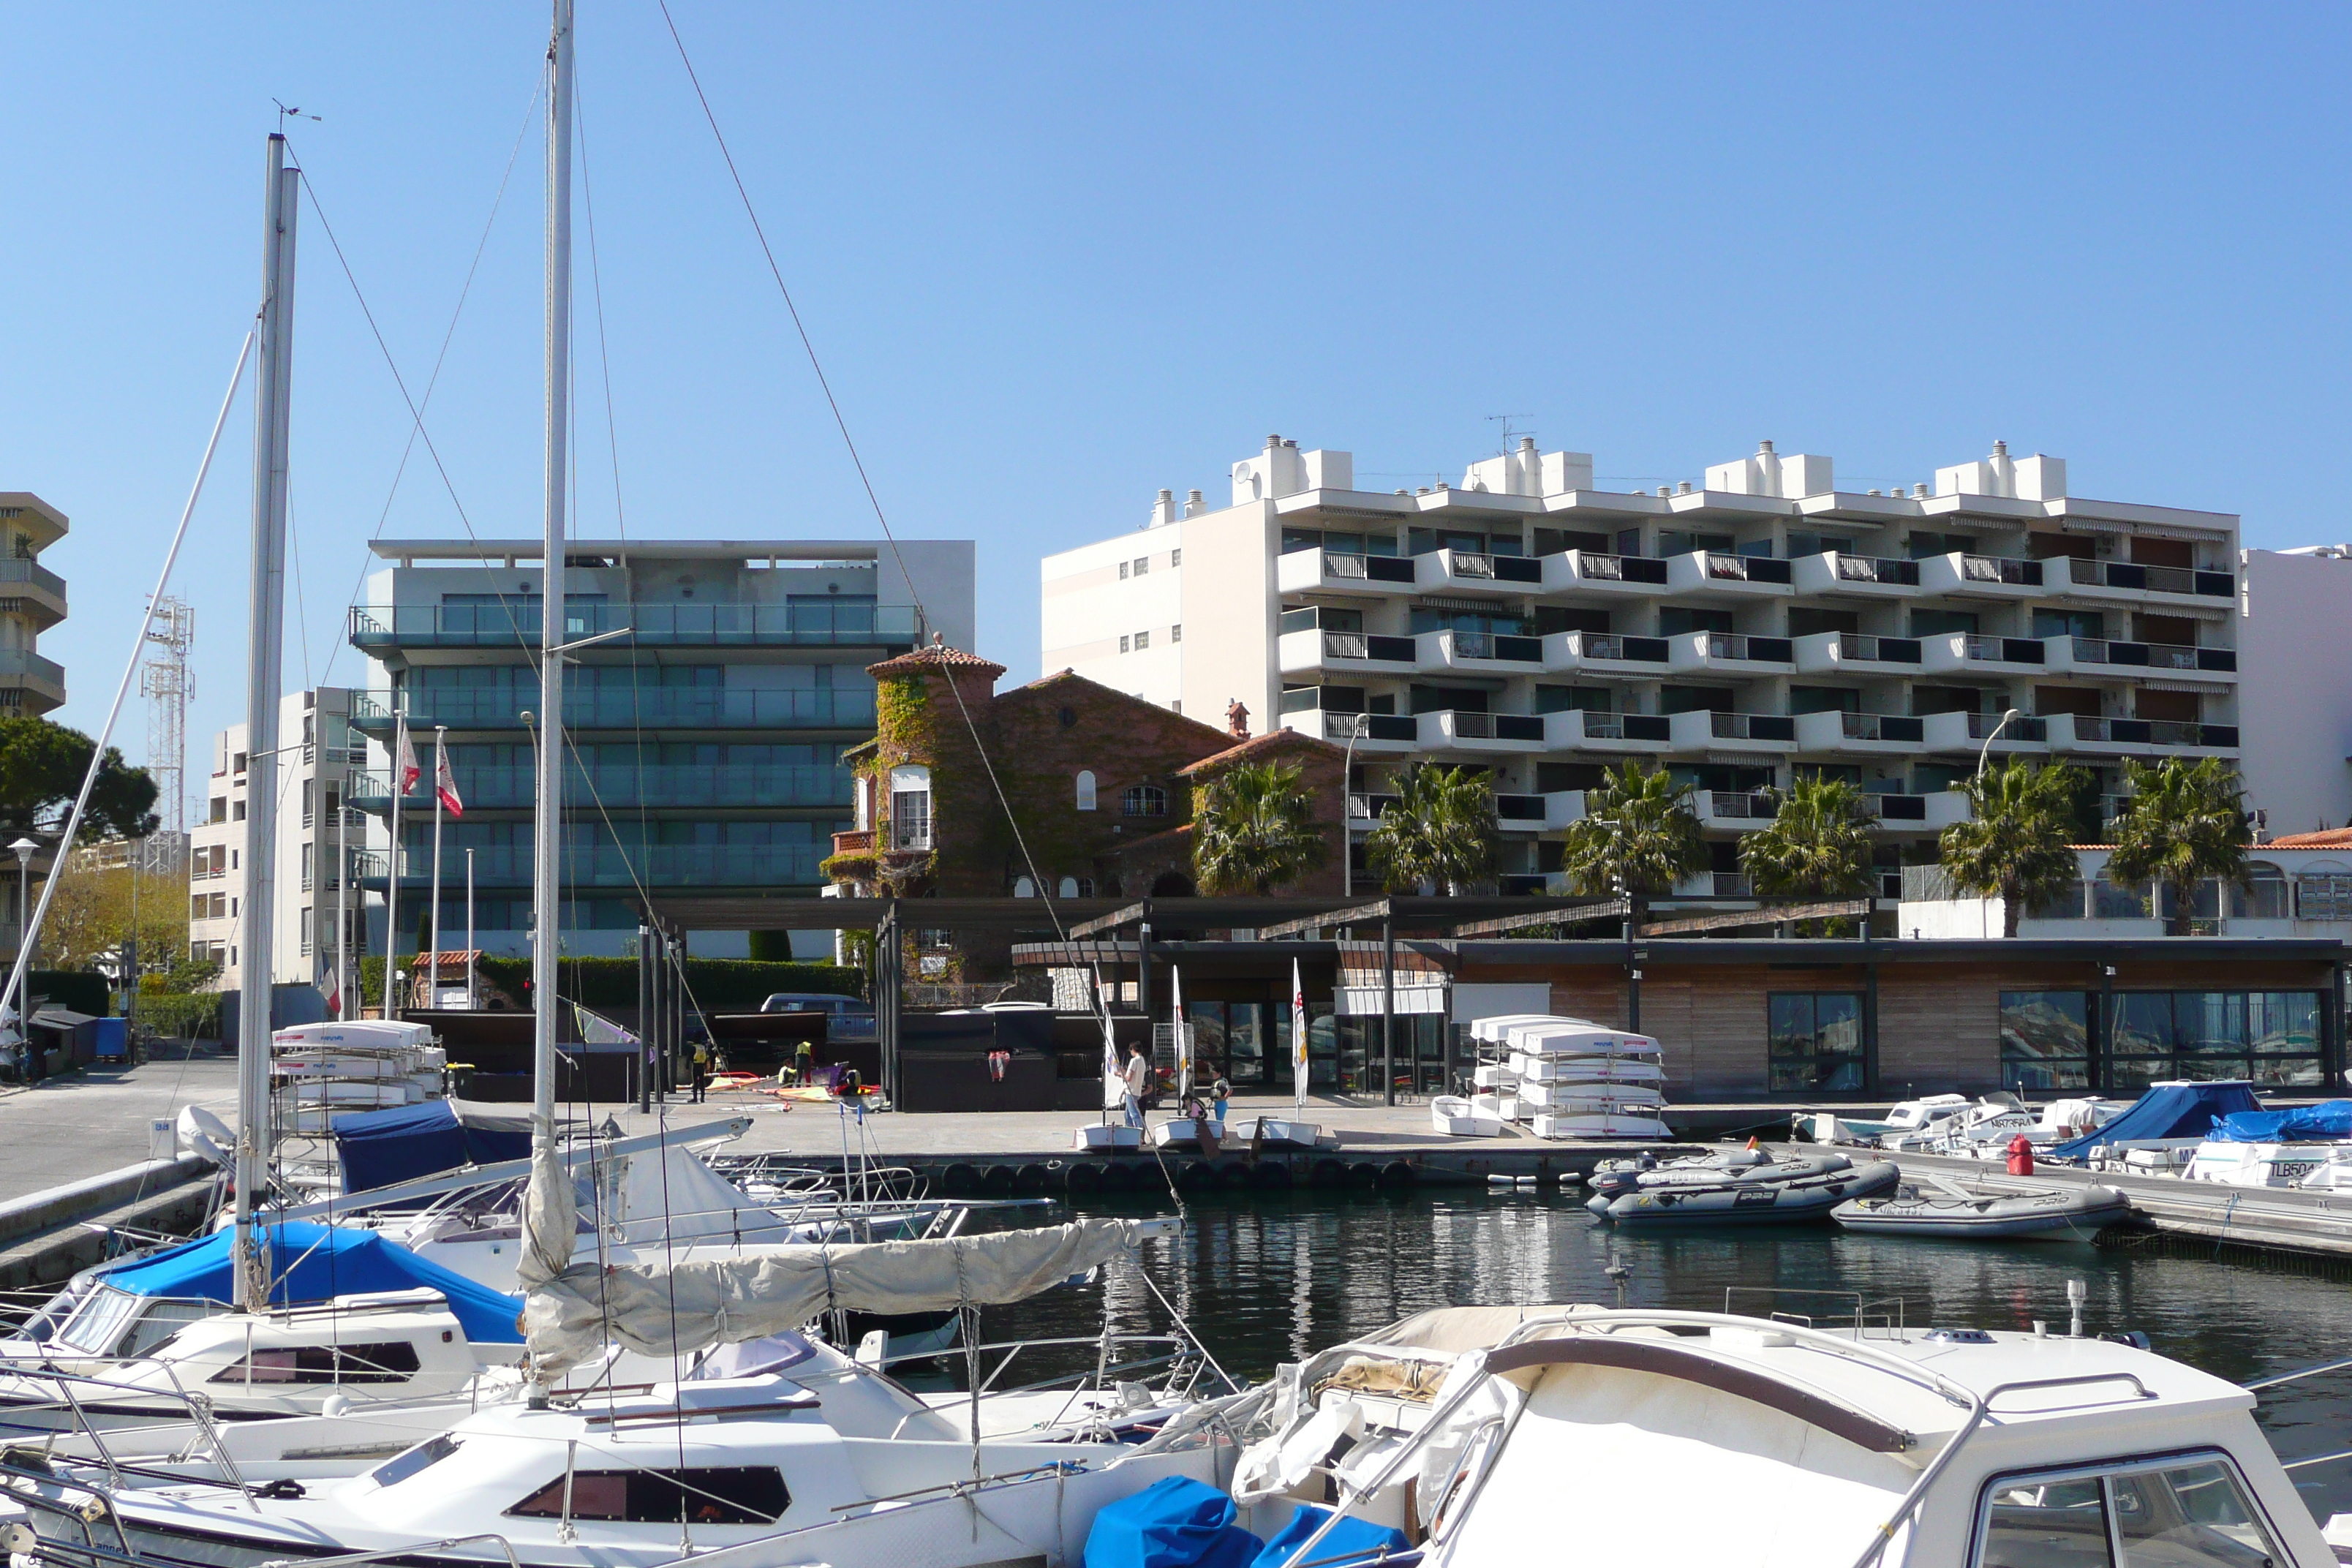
{"points": [[264, 659], [547, 825]]}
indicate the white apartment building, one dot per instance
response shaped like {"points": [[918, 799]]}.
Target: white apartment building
{"points": [[318, 754], [32, 600], [2295, 655], [1739, 627]]}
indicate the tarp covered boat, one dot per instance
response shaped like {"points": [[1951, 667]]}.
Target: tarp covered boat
{"points": [[2166, 1111]]}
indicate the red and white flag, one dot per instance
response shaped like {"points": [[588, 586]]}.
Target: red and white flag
{"points": [[409, 771], [445, 782]]}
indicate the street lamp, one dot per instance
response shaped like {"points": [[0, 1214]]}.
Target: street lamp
{"points": [[25, 848], [1346, 828], [1985, 750]]}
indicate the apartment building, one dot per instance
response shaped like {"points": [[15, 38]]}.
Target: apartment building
{"points": [[320, 839], [706, 739], [32, 600], [1741, 627]]}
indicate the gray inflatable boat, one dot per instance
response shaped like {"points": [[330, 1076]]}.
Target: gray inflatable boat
{"points": [[2047, 1214], [1757, 1195]]}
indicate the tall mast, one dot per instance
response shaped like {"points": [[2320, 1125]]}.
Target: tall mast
{"points": [[547, 823], [271, 410]]}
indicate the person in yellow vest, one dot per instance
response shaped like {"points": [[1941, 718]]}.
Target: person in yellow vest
{"points": [[804, 1062]]}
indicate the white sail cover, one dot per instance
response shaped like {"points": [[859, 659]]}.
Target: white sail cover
{"points": [[573, 1309]]}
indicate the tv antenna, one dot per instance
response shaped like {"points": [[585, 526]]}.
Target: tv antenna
{"points": [[1508, 431], [285, 114]]}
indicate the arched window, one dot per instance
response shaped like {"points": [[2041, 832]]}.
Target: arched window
{"points": [[1143, 800], [1022, 887], [2264, 896], [1086, 790], [1078, 887]]}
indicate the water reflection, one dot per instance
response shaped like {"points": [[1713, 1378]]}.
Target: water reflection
{"points": [[1267, 1280]]}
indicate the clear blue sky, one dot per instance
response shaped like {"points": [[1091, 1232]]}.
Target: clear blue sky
{"points": [[1055, 258]]}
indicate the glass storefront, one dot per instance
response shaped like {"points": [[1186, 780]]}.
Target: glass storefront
{"points": [[2270, 1036], [2045, 1040], [1815, 1040]]}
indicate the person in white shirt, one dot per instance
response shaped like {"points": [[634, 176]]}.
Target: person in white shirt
{"points": [[1136, 1074]]}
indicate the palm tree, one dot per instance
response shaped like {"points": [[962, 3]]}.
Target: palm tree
{"points": [[1816, 845], [2017, 844], [1638, 837], [2185, 824], [1439, 832], [1254, 829]]}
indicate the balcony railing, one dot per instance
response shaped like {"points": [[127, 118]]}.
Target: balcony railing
{"points": [[624, 708], [710, 624], [1346, 726], [2002, 651], [1752, 726], [2153, 579], [1367, 568], [1365, 646], [1982, 725], [1724, 568], [1469, 726], [1735, 644], [1732, 884], [1619, 568], [2154, 656], [1369, 808], [2156, 732], [1898, 808], [1496, 568], [1882, 727], [1879, 650], [657, 866], [1746, 805], [13, 570], [1630, 650], [1501, 648], [1874, 569], [1519, 808], [2000, 569], [623, 783], [26, 665]]}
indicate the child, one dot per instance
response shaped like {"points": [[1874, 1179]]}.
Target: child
{"points": [[1220, 1094]]}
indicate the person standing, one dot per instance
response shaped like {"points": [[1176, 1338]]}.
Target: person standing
{"points": [[701, 1069], [1136, 1074], [804, 1062]]}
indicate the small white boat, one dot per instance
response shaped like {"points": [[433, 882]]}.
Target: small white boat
{"points": [[2070, 1213], [1183, 1130], [1613, 1124], [1103, 1139], [1910, 1116], [1458, 1117], [1586, 1069], [1556, 1098]]}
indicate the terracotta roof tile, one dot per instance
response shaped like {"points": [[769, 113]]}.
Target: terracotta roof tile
{"points": [[1272, 742], [2327, 839], [935, 653]]}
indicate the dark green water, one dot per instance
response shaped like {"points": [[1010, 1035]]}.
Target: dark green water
{"points": [[1265, 1280]]}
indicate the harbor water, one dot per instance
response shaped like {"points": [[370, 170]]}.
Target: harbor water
{"points": [[1268, 1279]]}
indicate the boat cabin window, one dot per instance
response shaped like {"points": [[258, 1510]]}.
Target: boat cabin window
{"points": [[391, 1361], [2181, 1512], [399, 1466], [163, 1319], [741, 1494], [99, 1322]]}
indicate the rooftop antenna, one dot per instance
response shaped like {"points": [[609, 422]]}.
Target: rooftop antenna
{"points": [[285, 114], [1508, 431]]}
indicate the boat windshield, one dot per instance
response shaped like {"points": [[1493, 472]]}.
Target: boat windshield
{"points": [[399, 1466], [99, 1320]]}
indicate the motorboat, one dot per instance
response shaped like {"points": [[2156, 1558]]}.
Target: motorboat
{"points": [[1757, 1163], [1701, 1437], [2074, 1212], [2290, 1148], [792, 1453], [1756, 1196], [1910, 1116]]}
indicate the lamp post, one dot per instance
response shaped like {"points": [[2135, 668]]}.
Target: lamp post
{"points": [[1985, 752], [1346, 828], [25, 848]]}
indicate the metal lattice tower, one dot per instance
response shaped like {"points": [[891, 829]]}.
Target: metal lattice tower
{"points": [[166, 684]]}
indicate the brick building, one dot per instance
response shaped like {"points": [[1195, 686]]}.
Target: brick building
{"points": [[1100, 786]]}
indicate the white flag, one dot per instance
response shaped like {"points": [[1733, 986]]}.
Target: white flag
{"points": [[1297, 1038], [1183, 1047], [1114, 1081]]}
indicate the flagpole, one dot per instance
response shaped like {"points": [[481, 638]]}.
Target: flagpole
{"points": [[1297, 1040], [392, 883], [342, 895], [470, 998], [440, 769]]}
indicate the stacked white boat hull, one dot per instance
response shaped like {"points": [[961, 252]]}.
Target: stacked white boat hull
{"points": [[1568, 1078]]}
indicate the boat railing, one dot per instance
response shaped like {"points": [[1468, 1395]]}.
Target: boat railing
{"points": [[198, 1407], [1862, 1313], [1183, 1354], [401, 1553]]}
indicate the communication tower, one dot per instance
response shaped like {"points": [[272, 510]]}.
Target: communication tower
{"points": [[166, 684]]}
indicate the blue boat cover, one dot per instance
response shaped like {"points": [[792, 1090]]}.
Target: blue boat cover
{"points": [[1173, 1523], [2305, 1124], [384, 1148], [312, 1263], [1351, 1541], [2168, 1110]]}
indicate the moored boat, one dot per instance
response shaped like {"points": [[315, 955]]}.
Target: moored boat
{"points": [[2070, 1213]]}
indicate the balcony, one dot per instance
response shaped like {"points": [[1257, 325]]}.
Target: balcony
{"points": [[1462, 572], [1520, 812], [1855, 653], [643, 707], [517, 623], [1605, 653], [723, 784], [1367, 808], [33, 590], [28, 675], [1479, 653], [1338, 571], [1563, 807], [700, 866], [1880, 735], [1729, 652], [1743, 808], [1714, 572], [2126, 580], [1576, 727], [1375, 733], [1989, 654], [1727, 884], [1602, 574], [1700, 731], [1856, 576], [1968, 731], [2094, 656], [1930, 812], [1451, 729], [1353, 654], [1981, 576], [2138, 737]]}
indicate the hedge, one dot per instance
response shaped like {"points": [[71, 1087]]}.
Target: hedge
{"points": [[717, 984]]}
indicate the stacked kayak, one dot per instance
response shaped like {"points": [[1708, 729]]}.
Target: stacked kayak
{"points": [[1747, 1186], [2052, 1214]]}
